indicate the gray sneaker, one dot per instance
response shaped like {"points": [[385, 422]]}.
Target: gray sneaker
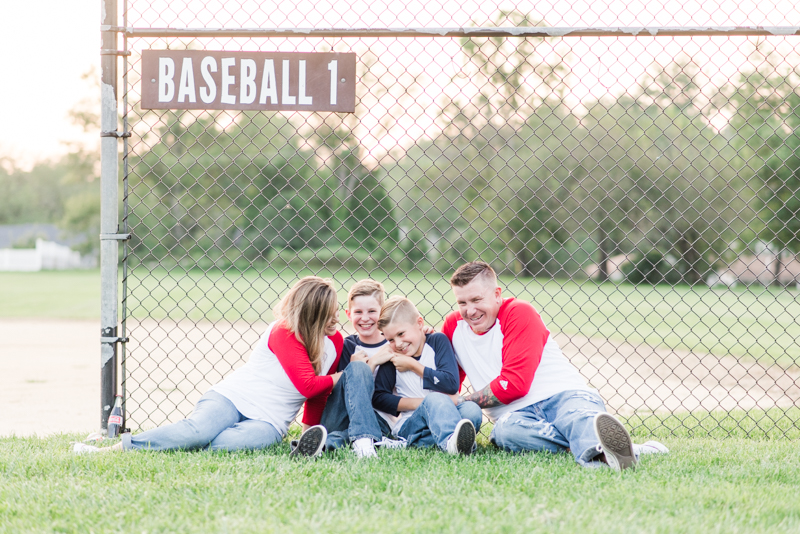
{"points": [[311, 442], [463, 439], [615, 442]]}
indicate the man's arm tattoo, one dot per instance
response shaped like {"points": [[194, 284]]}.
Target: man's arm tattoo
{"points": [[484, 398]]}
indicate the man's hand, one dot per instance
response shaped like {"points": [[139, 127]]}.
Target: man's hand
{"points": [[407, 363], [484, 398]]}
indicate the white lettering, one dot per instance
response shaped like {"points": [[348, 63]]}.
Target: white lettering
{"points": [[247, 87], [166, 84], [269, 85], [207, 66], [333, 66], [186, 87], [301, 93], [227, 80], [286, 98]]}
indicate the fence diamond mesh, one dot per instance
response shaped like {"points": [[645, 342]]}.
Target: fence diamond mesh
{"points": [[640, 188]]}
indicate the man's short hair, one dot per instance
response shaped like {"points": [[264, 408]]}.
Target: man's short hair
{"points": [[472, 270], [397, 309], [366, 288]]}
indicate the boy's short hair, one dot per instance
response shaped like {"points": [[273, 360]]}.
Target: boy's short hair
{"points": [[472, 270], [397, 309], [367, 288]]}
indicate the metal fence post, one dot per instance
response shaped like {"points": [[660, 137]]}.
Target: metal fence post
{"points": [[108, 210]]}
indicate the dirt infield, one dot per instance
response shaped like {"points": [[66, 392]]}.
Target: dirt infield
{"points": [[51, 373]]}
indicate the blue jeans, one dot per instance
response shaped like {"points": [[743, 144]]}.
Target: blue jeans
{"points": [[348, 415], [215, 423], [564, 421], [434, 421]]}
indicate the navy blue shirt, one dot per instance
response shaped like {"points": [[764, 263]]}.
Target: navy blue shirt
{"points": [[351, 344], [443, 379]]}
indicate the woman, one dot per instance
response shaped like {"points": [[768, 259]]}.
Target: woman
{"points": [[253, 407]]}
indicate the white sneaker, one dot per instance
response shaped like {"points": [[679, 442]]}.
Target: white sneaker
{"points": [[463, 439], [83, 448], [94, 436], [364, 448], [388, 443], [615, 442], [311, 442], [650, 447]]}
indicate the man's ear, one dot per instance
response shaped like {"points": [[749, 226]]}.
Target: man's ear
{"points": [[497, 292]]}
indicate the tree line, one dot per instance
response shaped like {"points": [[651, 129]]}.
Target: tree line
{"points": [[515, 176]]}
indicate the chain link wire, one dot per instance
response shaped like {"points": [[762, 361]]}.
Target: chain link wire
{"points": [[642, 192]]}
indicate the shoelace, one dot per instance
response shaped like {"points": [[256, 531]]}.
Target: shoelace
{"points": [[391, 443]]}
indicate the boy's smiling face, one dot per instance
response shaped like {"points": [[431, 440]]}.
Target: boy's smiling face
{"points": [[406, 338], [364, 312]]}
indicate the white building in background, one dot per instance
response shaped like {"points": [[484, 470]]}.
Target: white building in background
{"points": [[46, 256], [51, 250]]}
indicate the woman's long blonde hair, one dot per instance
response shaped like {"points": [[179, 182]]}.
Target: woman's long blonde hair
{"points": [[306, 310]]}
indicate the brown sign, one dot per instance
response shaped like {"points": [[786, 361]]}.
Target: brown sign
{"points": [[265, 81]]}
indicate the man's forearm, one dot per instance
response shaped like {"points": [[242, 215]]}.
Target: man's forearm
{"points": [[484, 398]]}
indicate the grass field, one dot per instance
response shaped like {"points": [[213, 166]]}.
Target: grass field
{"points": [[756, 322], [703, 485]]}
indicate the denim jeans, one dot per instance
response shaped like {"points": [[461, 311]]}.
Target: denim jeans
{"points": [[564, 421], [434, 421], [348, 415], [215, 423]]}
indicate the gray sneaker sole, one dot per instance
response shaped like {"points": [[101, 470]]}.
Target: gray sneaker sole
{"points": [[310, 443], [615, 440], [465, 439]]}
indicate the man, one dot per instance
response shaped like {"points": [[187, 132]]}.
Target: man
{"points": [[536, 398]]}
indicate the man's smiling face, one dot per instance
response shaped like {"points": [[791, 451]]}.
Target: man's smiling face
{"points": [[479, 303]]}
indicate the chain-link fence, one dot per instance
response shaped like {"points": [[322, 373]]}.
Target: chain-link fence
{"points": [[632, 171]]}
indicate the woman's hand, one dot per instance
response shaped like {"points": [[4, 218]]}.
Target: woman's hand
{"points": [[427, 329], [336, 377]]}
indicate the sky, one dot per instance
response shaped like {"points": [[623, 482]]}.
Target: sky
{"points": [[41, 80]]}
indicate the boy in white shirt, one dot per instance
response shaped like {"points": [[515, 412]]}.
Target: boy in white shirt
{"points": [[418, 383]]}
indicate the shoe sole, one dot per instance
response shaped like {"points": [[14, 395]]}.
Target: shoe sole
{"points": [[310, 443], [465, 438], [615, 440]]}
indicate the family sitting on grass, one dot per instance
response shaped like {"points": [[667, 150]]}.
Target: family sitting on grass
{"points": [[395, 382]]}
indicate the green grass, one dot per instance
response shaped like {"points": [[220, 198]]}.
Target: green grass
{"points": [[757, 323], [703, 485], [50, 295]]}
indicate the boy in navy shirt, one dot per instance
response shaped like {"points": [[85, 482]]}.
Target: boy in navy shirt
{"points": [[418, 383]]}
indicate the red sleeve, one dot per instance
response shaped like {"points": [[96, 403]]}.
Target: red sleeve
{"points": [[448, 328], [293, 357], [524, 337], [312, 412]]}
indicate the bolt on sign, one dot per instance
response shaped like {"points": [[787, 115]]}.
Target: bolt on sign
{"points": [[263, 81]]}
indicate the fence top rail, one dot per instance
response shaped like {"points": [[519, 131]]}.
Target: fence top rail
{"points": [[618, 31]]}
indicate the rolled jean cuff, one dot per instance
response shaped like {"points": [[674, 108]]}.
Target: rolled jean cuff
{"points": [[588, 455], [126, 441]]}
